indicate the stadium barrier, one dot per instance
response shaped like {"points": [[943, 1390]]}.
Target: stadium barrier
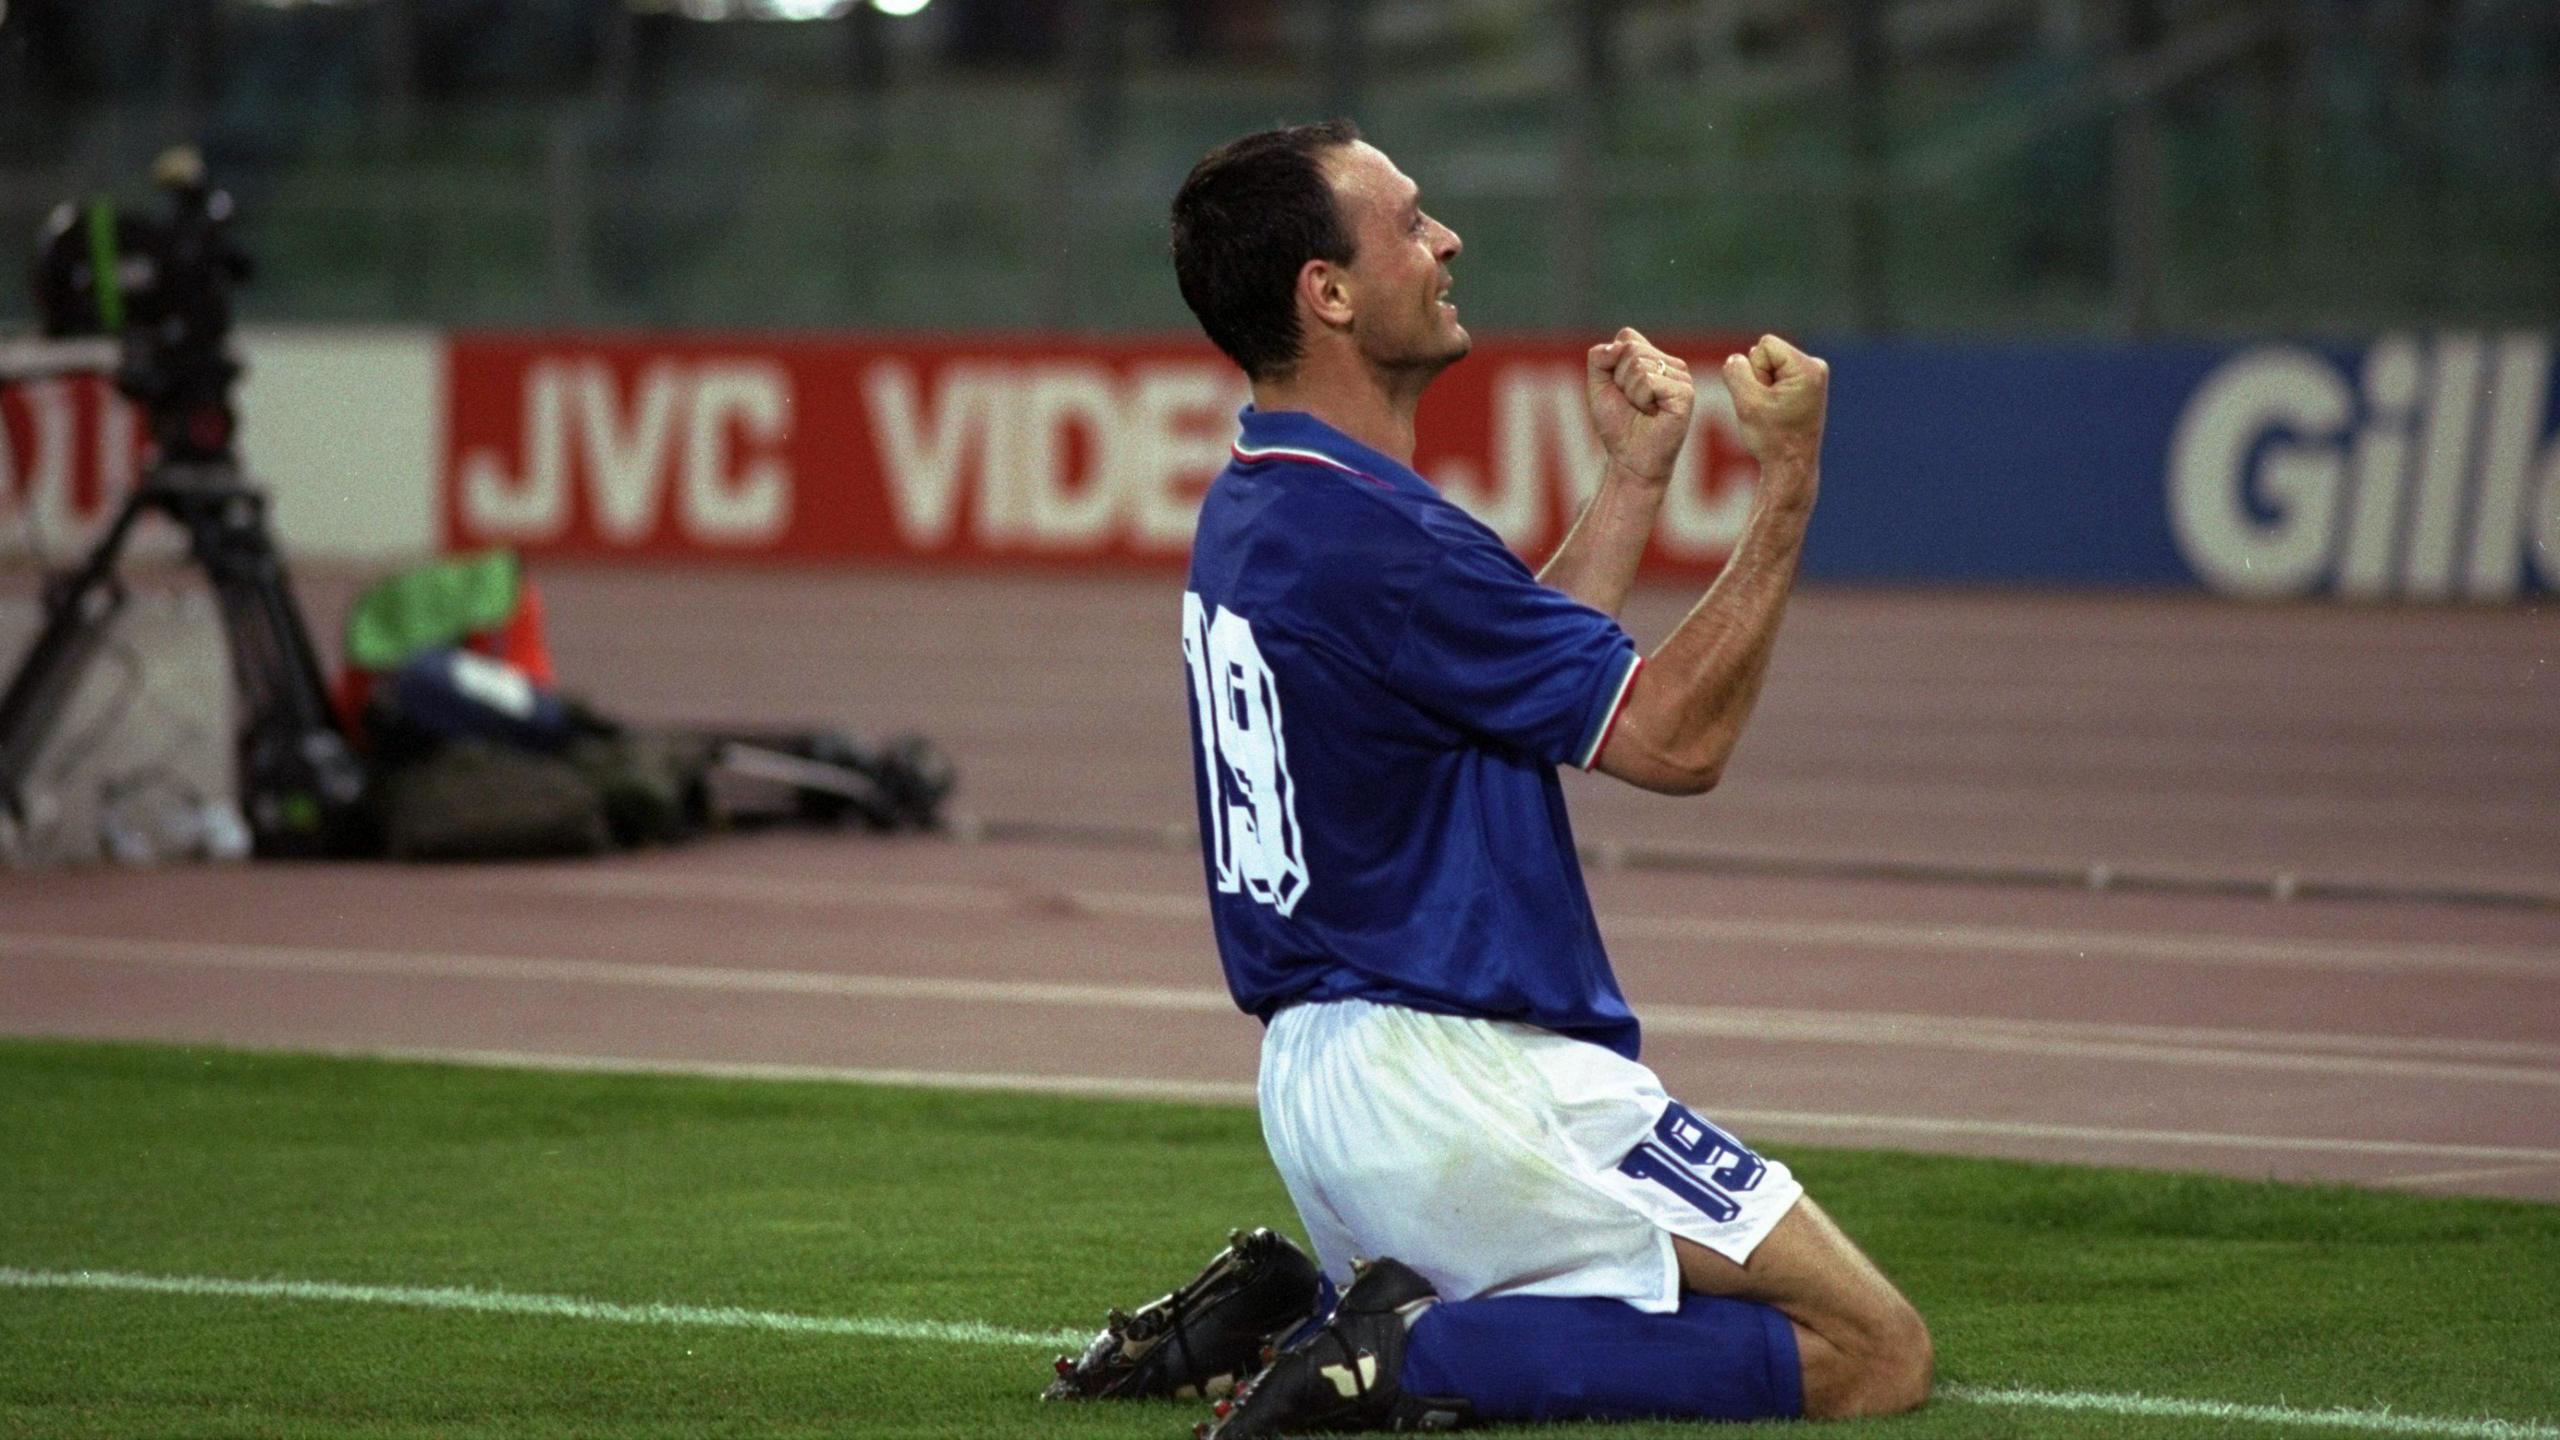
{"points": [[2418, 466]]}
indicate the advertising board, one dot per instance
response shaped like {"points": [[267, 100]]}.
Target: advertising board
{"points": [[2418, 466], [987, 452]]}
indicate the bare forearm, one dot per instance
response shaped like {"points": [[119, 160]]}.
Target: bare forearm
{"points": [[1720, 652], [1697, 690], [1597, 562], [1686, 709]]}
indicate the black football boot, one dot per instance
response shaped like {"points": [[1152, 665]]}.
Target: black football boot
{"points": [[1199, 1341], [1345, 1376]]}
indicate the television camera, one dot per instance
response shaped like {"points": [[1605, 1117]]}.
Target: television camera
{"points": [[146, 302]]}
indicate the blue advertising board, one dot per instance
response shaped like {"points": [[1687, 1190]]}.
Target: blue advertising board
{"points": [[2419, 467]]}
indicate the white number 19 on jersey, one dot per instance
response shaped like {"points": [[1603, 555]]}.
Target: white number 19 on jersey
{"points": [[1254, 843]]}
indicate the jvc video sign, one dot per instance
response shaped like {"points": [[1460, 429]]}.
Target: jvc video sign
{"points": [[1025, 452], [2420, 467]]}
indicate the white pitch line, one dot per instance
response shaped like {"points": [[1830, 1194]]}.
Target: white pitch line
{"points": [[2380, 1057], [971, 1332], [502, 1302], [2065, 946], [2381, 1422]]}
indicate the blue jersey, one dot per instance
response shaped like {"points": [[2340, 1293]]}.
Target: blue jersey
{"points": [[1380, 695]]}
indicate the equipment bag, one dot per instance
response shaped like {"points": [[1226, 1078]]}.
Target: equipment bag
{"points": [[472, 800], [652, 786], [755, 778], [457, 695], [480, 603]]}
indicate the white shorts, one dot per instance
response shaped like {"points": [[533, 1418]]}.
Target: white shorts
{"points": [[1498, 1158]]}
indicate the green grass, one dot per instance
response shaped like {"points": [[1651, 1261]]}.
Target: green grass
{"points": [[1033, 1213]]}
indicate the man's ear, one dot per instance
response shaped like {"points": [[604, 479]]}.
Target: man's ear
{"points": [[1324, 288]]}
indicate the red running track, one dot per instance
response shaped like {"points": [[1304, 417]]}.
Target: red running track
{"points": [[1862, 938]]}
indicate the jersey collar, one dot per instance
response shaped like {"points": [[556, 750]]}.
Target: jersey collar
{"points": [[1273, 436]]}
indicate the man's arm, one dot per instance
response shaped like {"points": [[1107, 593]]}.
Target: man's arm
{"points": [[1685, 712], [1640, 399]]}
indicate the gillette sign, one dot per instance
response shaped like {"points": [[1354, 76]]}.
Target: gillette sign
{"points": [[2424, 470], [2419, 468]]}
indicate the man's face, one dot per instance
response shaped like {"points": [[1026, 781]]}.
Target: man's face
{"points": [[1399, 271]]}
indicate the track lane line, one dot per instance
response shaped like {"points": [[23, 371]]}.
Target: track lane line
{"points": [[2461, 1177], [2064, 945], [971, 1332], [1930, 1125], [2372, 1057], [1241, 1092], [1091, 1087]]}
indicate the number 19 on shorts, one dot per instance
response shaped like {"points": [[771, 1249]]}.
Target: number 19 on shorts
{"points": [[1254, 843], [1693, 1158]]}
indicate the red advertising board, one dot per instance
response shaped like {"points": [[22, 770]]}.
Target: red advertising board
{"points": [[1029, 451], [70, 451]]}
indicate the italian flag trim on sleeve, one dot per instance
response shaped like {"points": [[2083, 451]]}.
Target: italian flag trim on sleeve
{"points": [[1609, 720]]}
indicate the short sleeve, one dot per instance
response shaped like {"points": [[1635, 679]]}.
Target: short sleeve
{"points": [[1489, 649]]}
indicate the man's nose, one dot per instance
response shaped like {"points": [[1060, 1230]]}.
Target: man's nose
{"points": [[1449, 245]]}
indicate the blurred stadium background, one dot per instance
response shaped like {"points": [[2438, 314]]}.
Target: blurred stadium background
{"points": [[1946, 167]]}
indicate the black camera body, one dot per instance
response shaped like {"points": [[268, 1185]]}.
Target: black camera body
{"points": [[162, 288], [160, 291]]}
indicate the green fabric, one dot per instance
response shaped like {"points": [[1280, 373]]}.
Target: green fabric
{"points": [[431, 606], [104, 274]]}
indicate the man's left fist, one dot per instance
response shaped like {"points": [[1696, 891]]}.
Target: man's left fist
{"points": [[1640, 399]]}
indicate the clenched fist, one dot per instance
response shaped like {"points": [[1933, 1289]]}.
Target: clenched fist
{"points": [[1640, 399], [1779, 395]]}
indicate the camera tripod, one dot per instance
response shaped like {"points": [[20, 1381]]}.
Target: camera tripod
{"points": [[301, 789]]}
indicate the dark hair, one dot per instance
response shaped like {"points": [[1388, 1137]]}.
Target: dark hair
{"points": [[1247, 219]]}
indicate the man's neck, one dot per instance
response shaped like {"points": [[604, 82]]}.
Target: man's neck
{"points": [[1371, 408]]}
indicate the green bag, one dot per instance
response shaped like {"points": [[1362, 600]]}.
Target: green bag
{"points": [[431, 606]]}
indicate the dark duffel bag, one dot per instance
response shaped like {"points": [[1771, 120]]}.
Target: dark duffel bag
{"points": [[471, 800]]}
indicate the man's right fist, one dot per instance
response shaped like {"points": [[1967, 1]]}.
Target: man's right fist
{"points": [[1779, 393]]}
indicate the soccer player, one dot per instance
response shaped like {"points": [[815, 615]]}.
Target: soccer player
{"points": [[1528, 1227]]}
